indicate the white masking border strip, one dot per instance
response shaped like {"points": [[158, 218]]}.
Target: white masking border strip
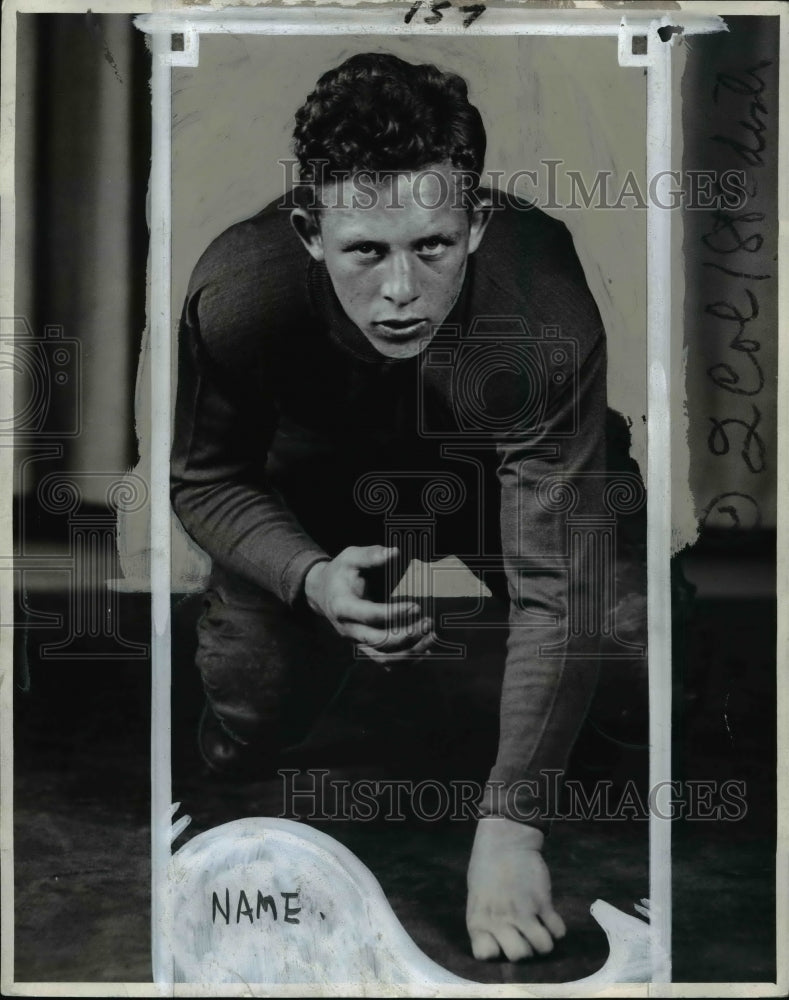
{"points": [[659, 498], [161, 672], [389, 20], [316, 21]]}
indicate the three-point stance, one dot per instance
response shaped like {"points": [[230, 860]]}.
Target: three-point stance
{"points": [[305, 362]]}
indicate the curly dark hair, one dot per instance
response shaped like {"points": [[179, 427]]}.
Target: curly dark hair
{"points": [[377, 113]]}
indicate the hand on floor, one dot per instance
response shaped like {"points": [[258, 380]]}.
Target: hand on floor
{"points": [[509, 907]]}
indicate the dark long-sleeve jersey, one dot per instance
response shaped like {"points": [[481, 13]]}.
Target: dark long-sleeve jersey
{"points": [[287, 418]]}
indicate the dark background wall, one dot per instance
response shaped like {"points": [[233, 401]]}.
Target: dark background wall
{"points": [[83, 156]]}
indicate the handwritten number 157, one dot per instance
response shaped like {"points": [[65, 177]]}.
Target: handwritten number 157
{"points": [[436, 6]]}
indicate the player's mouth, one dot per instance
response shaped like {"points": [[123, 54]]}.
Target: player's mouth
{"points": [[402, 328]]}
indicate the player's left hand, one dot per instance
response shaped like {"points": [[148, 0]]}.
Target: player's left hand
{"points": [[510, 909]]}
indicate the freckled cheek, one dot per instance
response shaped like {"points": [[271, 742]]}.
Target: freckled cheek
{"points": [[357, 292], [446, 284]]}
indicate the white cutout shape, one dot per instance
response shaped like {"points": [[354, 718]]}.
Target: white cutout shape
{"points": [[266, 900]]}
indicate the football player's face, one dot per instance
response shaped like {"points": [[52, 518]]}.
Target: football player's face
{"points": [[396, 252]]}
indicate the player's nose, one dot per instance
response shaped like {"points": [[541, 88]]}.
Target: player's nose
{"points": [[400, 285]]}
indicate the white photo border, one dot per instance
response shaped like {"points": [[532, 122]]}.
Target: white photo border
{"points": [[587, 18]]}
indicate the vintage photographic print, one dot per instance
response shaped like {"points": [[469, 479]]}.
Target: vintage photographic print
{"points": [[391, 445]]}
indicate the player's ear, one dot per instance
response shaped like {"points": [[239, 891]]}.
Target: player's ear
{"points": [[307, 226], [480, 217]]}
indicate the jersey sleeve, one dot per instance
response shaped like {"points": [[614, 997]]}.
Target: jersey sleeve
{"points": [[225, 419], [549, 473]]}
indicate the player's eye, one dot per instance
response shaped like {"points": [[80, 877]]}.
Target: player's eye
{"points": [[433, 246], [366, 250]]}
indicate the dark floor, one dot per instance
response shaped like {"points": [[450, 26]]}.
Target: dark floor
{"points": [[82, 766]]}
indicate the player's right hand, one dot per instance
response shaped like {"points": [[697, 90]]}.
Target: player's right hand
{"points": [[386, 632], [510, 908]]}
